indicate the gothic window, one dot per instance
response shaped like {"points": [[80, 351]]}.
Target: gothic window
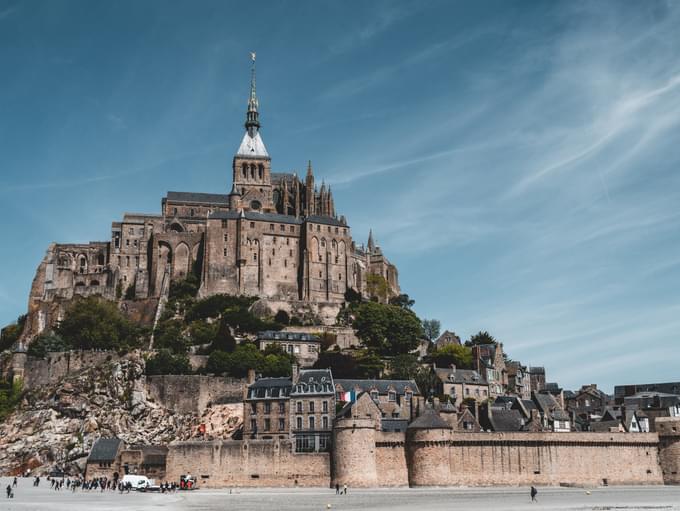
{"points": [[100, 259], [260, 170], [244, 170], [323, 243], [256, 205], [252, 171]]}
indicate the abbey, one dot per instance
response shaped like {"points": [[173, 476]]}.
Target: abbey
{"points": [[274, 235]]}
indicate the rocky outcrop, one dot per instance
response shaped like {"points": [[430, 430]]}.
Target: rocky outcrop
{"points": [[57, 425]]}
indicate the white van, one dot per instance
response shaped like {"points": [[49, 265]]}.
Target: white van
{"points": [[138, 482]]}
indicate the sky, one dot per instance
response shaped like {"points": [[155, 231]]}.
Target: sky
{"points": [[518, 161]]}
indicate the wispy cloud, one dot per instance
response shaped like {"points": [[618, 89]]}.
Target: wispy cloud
{"points": [[6, 13]]}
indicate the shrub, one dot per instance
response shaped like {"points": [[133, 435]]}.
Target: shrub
{"points": [[165, 362]]}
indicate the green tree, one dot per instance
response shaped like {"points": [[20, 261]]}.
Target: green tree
{"points": [[369, 364], [481, 338], [460, 356], [403, 301], [169, 335], [224, 340], [164, 362], [11, 333], [47, 342], [282, 317], [404, 367], [352, 296], [341, 364], [184, 289], [388, 329], [213, 306], [94, 323], [427, 381], [202, 332], [377, 287], [10, 397], [219, 362], [431, 328]]}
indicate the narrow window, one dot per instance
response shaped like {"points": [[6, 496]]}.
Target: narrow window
{"points": [[224, 252], [311, 423]]}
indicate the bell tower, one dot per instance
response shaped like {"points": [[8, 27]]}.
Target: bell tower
{"points": [[252, 164]]}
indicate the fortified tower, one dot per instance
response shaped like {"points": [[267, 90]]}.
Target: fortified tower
{"points": [[427, 450], [354, 457], [668, 429]]}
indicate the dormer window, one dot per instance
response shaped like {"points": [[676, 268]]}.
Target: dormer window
{"points": [[391, 396], [408, 395], [374, 395]]}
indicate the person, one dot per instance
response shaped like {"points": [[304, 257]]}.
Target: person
{"points": [[344, 489], [14, 483], [9, 491], [534, 492], [337, 489]]}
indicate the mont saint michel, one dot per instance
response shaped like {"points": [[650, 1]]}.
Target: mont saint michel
{"points": [[339, 256]]}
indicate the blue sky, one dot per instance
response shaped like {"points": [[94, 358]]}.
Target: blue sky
{"points": [[518, 161]]}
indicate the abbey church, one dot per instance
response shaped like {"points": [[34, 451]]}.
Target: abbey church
{"points": [[275, 236]]}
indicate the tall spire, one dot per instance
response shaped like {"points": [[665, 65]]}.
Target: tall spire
{"points": [[252, 116], [371, 243], [309, 168]]}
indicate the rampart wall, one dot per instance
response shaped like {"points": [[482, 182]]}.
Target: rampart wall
{"points": [[435, 458], [264, 463], [668, 429], [193, 393], [57, 365]]}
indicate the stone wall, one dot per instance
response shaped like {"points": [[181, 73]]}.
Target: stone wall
{"points": [[389, 452], [193, 393], [264, 463], [57, 365], [533, 458], [668, 429]]}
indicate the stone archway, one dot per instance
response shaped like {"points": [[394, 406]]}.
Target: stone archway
{"points": [[181, 261]]}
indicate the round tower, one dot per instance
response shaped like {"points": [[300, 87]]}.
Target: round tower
{"points": [[354, 462], [427, 451], [19, 357]]}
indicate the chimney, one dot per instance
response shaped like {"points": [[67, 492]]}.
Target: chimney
{"points": [[251, 376], [453, 368], [295, 372]]}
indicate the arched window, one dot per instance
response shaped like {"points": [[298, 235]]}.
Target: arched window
{"points": [[260, 170], [100, 259], [252, 171], [244, 170]]}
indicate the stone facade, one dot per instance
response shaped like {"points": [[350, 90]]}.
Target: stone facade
{"points": [[274, 236]]}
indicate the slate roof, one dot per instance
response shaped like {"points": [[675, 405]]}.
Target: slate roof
{"points": [[255, 216], [652, 400], [429, 420], [104, 450], [318, 219], [252, 146], [469, 376], [201, 198], [270, 388], [503, 419], [382, 386], [314, 381], [604, 426]]}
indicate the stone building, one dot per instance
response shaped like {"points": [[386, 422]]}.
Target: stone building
{"points": [[396, 399], [488, 361], [274, 235], [300, 409], [461, 384], [305, 347], [312, 410], [104, 458], [519, 382]]}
